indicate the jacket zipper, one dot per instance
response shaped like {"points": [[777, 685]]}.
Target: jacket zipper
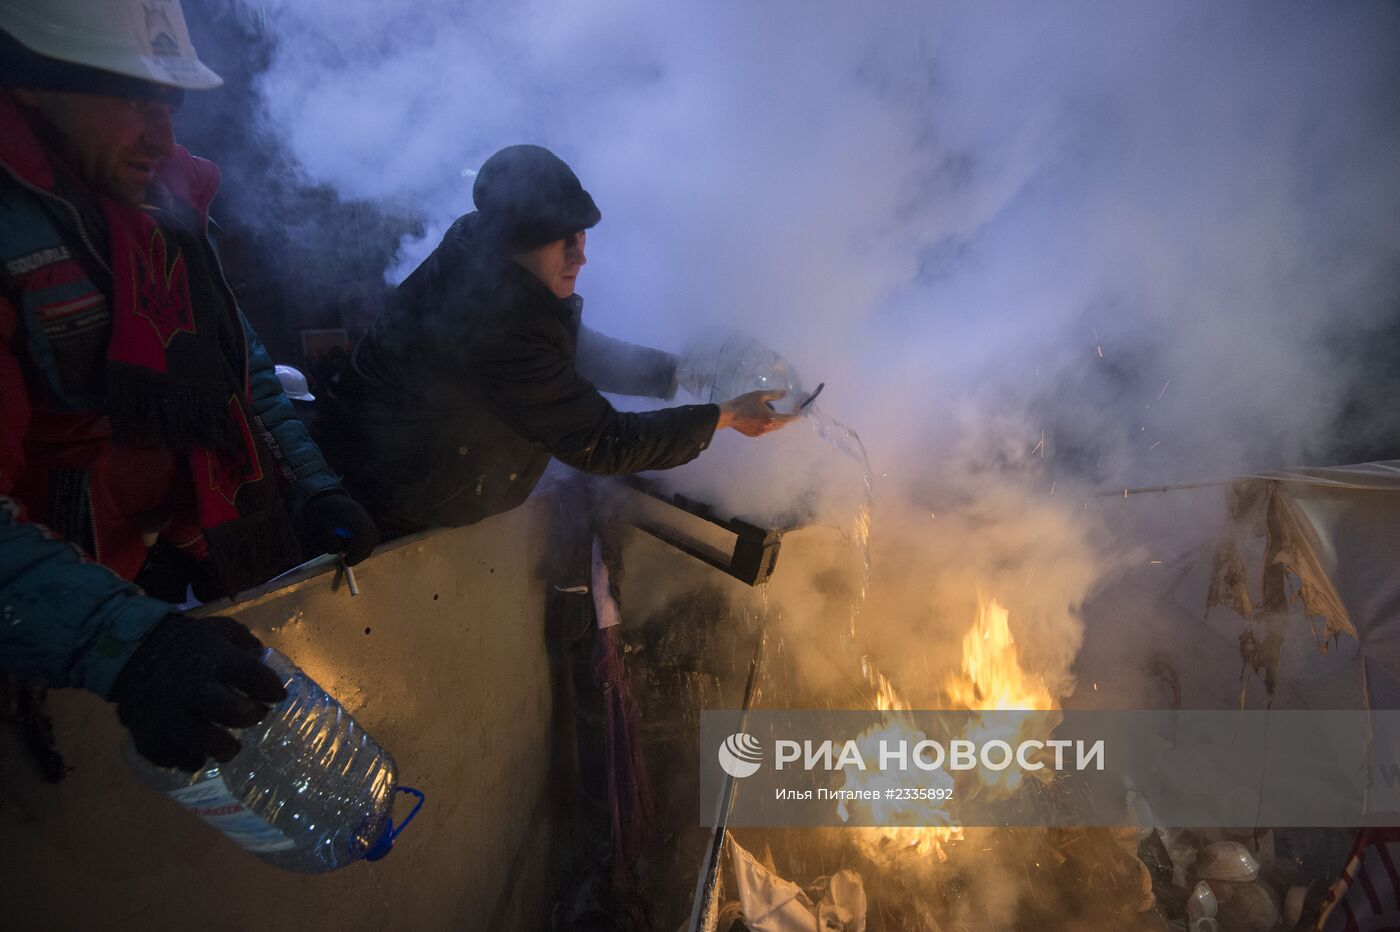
{"points": [[233, 303], [435, 506], [92, 516], [77, 217], [92, 251]]}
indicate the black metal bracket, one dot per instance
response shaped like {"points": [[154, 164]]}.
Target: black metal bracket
{"points": [[753, 556]]}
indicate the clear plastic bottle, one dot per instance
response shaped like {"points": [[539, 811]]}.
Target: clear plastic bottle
{"points": [[726, 366], [310, 791]]}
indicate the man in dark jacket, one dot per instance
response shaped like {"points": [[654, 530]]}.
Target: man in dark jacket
{"points": [[137, 408], [480, 371]]}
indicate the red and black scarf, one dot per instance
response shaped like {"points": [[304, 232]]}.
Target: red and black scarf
{"points": [[177, 373], [177, 362]]}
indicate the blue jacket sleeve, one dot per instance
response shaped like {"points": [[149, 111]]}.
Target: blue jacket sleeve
{"points": [[310, 476], [63, 620]]}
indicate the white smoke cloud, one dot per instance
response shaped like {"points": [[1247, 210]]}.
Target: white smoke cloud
{"points": [[1033, 250], [924, 203], [1086, 244]]}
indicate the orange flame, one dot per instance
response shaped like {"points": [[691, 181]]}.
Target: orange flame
{"points": [[991, 678]]}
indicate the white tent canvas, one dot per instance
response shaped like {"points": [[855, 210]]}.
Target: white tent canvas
{"points": [[1296, 605]]}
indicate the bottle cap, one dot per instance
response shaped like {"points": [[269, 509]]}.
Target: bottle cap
{"points": [[385, 842]]}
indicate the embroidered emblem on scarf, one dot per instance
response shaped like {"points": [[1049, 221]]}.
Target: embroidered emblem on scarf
{"points": [[160, 289], [230, 471]]}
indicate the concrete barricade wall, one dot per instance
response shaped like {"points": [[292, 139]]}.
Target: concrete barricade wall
{"points": [[442, 657]]}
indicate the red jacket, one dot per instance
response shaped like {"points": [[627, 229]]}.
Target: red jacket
{"points": [[62, 270]]}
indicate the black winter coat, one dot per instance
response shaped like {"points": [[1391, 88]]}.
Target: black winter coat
{"points": [[470, 380]]}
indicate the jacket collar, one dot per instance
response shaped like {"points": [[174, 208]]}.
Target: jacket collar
{"points": [[463, 233], [24, 155]]}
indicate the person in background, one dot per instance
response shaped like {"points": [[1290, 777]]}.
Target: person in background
{"points": [[480, 370], [139, 413]]}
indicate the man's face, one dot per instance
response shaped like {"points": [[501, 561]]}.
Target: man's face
{"points": [[116, 145], [557, 263]]}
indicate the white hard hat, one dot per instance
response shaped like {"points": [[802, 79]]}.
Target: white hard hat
{"points": [[144, 39], [294, 383]]}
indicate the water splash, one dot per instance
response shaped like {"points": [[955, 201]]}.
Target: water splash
{"points": [[848, 442]]}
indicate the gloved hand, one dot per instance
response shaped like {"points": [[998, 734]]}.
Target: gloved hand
{"points": [[189, 676], [333, 522]]}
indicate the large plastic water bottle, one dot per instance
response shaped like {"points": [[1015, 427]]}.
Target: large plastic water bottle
{"points": [[310, 791], [726, 366]]}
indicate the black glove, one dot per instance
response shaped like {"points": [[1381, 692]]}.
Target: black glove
{"points": [[188, 676], [333, 522]]}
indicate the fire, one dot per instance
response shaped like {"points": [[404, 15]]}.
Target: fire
{"points": [[992, 679], [919, 827]]}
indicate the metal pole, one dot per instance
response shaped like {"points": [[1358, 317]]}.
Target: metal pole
{"points": [[702, 911]]}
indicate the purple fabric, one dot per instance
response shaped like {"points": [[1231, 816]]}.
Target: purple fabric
{"points": [[629, 791]]}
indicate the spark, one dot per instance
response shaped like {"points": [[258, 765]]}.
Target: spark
{"points": [[1052, 488], [1164, 390], [1040, 447], [1155, 445]]}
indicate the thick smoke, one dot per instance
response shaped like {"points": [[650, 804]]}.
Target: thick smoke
{"points": [[930, 207], [1033, 251]]}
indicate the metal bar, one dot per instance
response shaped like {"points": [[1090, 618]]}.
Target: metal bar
{"points": [[350, 577], [706, 885], [754, 555], [700, 509], [707, 555]]}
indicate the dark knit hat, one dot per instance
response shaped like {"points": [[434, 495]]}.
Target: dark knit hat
{"points": [[527, 196]]}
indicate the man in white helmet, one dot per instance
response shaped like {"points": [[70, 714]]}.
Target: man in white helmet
{"points": [[139, 414]]}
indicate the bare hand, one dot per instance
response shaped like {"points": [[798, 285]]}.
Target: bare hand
{"points": [[751, 414]]}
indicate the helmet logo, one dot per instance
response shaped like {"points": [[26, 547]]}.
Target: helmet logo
{"points": [[160, 31]]}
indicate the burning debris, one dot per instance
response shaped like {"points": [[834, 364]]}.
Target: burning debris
{"points": [[991, 677], [920, 866], [921, 870]]}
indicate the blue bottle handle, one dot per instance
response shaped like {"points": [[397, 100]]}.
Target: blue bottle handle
{"points": [[385, 843]]}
